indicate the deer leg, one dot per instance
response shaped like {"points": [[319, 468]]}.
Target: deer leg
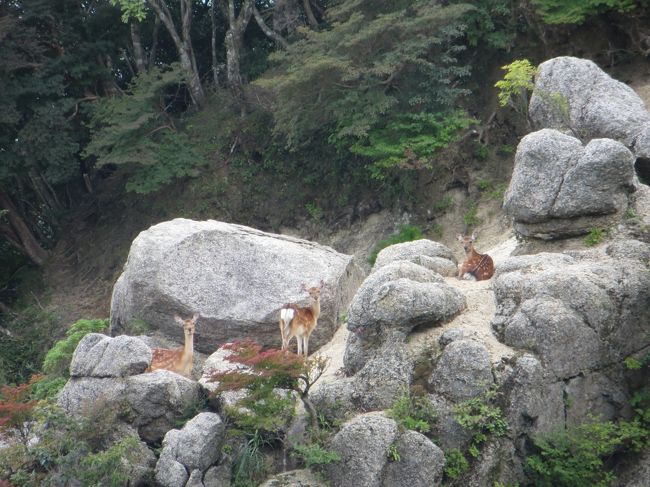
{"points": [[306, 338], [299, 340]]}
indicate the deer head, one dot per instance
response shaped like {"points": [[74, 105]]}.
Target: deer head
{"points": [[189, 324], [467, 242]]}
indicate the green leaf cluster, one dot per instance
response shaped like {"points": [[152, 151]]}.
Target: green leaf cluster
{"points": [[413, 413], [136, 130], [577, 11], [314, 455], [409, 141], [483, 418], [376, 58], [577, 457], [516, 83]]}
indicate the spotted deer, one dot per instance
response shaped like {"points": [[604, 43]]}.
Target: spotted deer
{"points": [[300, 322], [477, 267], [179, 360]]}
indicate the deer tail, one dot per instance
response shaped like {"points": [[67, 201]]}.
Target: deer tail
{"points": [[286, 315]]}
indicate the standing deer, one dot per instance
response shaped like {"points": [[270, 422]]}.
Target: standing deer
{"points": [[300, 322], [477, 267], [179, 360]]}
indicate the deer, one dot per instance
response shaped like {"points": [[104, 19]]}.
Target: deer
{"points": [[300, 322], [477, 267], [179, 360]]}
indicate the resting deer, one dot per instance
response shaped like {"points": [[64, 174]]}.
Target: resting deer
{"points": [[179, 360], [300, 322], [476, 266]]}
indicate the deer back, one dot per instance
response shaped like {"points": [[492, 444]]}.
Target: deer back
{"points": [[165, 358]]}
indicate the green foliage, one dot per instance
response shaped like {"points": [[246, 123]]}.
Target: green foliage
{"points": [[483, 418], [577, 456], [595, 236], [376, 58], [413, 412], [484, 184], [406, 233], [456, 465], [470, 217], [315, 211], [506, 149], [516, 84], [444, 203], [490, 23], [577, 11], [314, 455], [393, 453], [21, 354], [80, 450], [481, 152], [409, 141], [633, 363], [135, 130], [57, 360], [250, 465]]}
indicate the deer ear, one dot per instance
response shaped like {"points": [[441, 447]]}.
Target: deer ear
{"points": [[322, 284], [303, 287], [195, 317], [473, 236], [459, 237], [179, 320]]}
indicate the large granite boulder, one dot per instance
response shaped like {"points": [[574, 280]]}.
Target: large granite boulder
{"points": [[427, 253], [402, 295], [548, 303], [420, 464], [561, 188], [150, 402], [189, 452], [295, 478], [598, 105], [98, 355], [463, 371], [235, 277]]}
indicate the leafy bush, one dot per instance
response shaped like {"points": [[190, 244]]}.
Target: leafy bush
{"points": [[413, 413], [393, 453], [407, 233], [455, 464], [483, 418], [470, 218], [577, 11], [314, 455], [409, 141], [515, 85], [596, 236], [443, 204], [577, 457]]}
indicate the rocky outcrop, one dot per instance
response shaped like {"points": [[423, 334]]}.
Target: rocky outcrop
{"points": [[188, 453], [402, 295], [427, 253], [560, 188], [364, 444], [98, 355], [295, 478], [235, 277], [575, 94]]}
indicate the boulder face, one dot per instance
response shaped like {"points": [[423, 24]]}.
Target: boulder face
{"points": [[424, 252], [561, 188], [598, 105], [98, 355], [235, 277]]}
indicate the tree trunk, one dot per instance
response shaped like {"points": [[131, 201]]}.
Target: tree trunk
{"points": [[213, 46], [234, 42], [138, 51], [270, 33], [18, 233], [154, 42], [183, 46], [311, 18]]}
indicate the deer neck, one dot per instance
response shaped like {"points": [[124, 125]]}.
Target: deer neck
{"points": [[188, 349], [315, 307], [472, 254]]}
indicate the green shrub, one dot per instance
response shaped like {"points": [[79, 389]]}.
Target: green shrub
{"points": [[315, 211], [413, 413], [58, 359], [483, 418], [506, 149], [455, 464], [484, 184], [577, 11], [596, 236], [516, 84], [313, 455], [407, 233], [481, 152], [577, 457], [393, 453], [250, 466], [470, 218], [443, 204]]}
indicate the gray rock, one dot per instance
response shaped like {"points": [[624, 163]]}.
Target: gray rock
{"points": [[450, 335], [463, 371], [98, 355], [169, 472], [427, 253], [635, 473], [216, 363], [81, 394], [218, 476], [448, 433], [421, 463], [599, 106], [402, 295], [541, 161], [642, 142], [157, 400], [295, 478], [196, 479], [629, 249], [356, 354], [560, 188], [235, 277], [499, 462], [547, 303], [384, 377], [363, 444], [595, 394], [334, 399], [198, 445]]}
